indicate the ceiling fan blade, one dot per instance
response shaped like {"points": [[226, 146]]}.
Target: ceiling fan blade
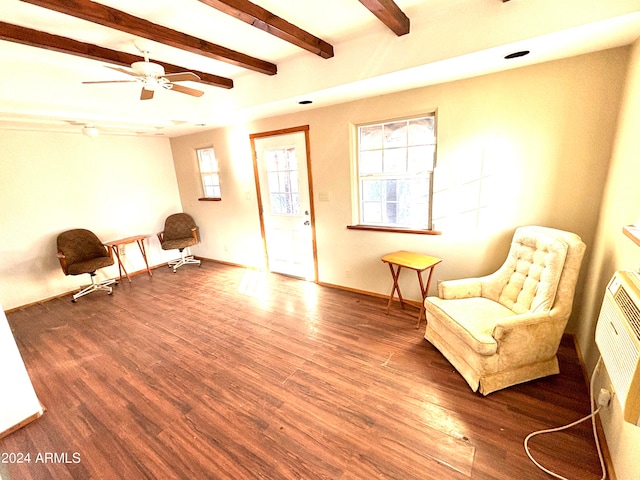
{"points": [[181, 77], [146, 94], [122, 70], [189, 91], [112, 81]]}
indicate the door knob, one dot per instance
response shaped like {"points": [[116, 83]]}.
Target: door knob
{"points": [[307, 222]]}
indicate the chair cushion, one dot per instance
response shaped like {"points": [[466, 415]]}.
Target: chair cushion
{"points": [[532, 272], [89, 266], [475, 319], [178, 243]]}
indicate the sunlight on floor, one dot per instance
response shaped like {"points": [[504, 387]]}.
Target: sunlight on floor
{"points": [[454, 448], [254, 283], [310, 291]]}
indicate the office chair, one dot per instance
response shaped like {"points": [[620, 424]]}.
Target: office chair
{"points": [[79, 252], [180, 232]]}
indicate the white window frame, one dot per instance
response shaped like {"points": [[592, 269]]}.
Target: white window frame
{"points": [[209, 173], [426, 175]]}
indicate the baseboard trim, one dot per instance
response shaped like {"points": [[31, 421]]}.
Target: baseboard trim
{"points": [[75, 290]]}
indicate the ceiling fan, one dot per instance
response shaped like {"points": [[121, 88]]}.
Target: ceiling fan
{"points": [[152, 77]]}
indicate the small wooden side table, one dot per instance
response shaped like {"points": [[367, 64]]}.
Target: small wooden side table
{"points": [[139, 239], [413, 261]]}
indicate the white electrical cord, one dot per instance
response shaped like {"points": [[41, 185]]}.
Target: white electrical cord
{"points": [[592, 416]]}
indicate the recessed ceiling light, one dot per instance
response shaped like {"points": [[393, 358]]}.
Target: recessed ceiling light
{"points": [[305, 102], [90, 131], [521, 53]]}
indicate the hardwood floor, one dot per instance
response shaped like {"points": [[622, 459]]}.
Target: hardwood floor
{"points": [[219, 372]]}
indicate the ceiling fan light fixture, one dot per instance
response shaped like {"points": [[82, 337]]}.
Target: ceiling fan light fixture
{"points": [[90, 131], [153, 78], [151, 83], [147, 69]]}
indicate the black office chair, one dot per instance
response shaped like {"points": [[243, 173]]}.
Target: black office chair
{"points": [[80, 252], [180, 231]]}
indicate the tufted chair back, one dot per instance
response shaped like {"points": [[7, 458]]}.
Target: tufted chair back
{"points": [[530, 277]]}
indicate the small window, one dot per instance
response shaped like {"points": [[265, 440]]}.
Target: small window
{"points": [[209, 173], [282, 171], [395, 163]]}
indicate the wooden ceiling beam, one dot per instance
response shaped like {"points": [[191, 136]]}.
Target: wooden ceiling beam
{"points": [[35, 38], [266, 21], [109, 17], [390, 14]]}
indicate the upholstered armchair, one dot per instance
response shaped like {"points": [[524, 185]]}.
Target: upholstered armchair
{"points": [[505, 328], [180, 231], [80, 251]]}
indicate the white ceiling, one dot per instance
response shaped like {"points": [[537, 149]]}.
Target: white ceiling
{"points": [[449, 39]]}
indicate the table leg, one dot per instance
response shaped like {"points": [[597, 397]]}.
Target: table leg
{"points": [[144, 255], [120, 264], [395, 274], [424, 289]]}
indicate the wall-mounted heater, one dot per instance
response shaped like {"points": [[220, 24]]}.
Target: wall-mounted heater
{"points": [[618, 339]]}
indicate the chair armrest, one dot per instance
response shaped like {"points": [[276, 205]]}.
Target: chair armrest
{"points": [[63, 262], [529, 337], [461, 288], [160, 236], [194, 232], [506, 326]]}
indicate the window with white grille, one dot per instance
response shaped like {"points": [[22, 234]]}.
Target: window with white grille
{"points": [[395, 164], [209, 173]]}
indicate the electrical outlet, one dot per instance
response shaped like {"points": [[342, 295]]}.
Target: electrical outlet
{"points": [[121, 250], [604, 397]]}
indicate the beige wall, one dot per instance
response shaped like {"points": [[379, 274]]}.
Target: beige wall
{"points": [[229, 229], [613, 251], [542, 138], [542, 135], [51, 182]]}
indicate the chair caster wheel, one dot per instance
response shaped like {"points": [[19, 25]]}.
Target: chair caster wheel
{"points": [[73, 300]]}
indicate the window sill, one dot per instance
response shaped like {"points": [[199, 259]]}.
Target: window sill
{"points": [[210, 199], [393, 229]]}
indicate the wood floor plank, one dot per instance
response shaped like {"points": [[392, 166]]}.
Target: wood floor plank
{"points": [[221, 372]]}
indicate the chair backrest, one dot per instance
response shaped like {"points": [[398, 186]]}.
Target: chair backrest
{"points": [[80, 245], [177, 226], [540, 271]]}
